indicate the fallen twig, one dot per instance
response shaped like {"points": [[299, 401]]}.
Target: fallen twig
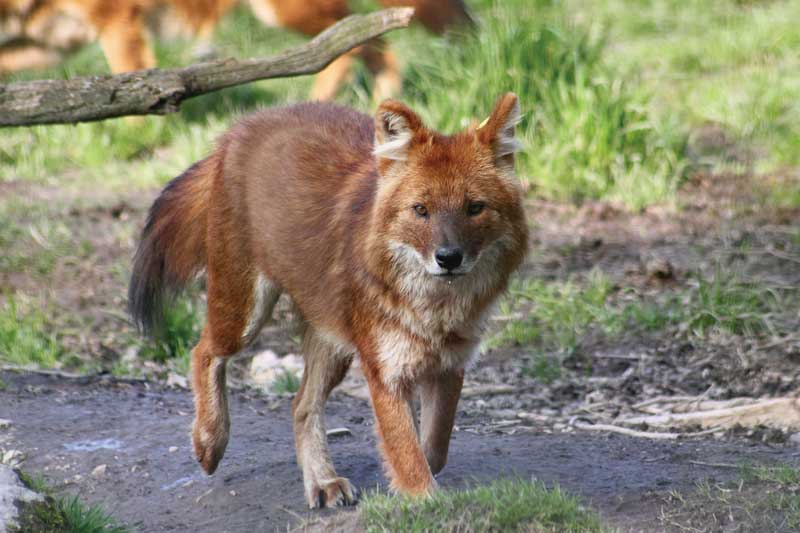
{"points": [[492, 390], [626, 431], [715, 465]]}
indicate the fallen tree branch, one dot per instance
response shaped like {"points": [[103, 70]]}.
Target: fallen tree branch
{"points": [[775, 412], [157, 91]]}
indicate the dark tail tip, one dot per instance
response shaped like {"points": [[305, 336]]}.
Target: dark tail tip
{"points": [[146, 289], [171, 250]]}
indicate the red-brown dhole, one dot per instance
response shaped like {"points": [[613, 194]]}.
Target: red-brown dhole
{"points": [[392, 240]]}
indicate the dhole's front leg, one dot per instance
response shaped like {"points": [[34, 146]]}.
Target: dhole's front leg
{"points": [[406, 464], [211, 426], [325, 368], [439, 397]]}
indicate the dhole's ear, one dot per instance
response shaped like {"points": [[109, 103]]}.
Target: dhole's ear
{"points": [[499, 130], [395, 125]]}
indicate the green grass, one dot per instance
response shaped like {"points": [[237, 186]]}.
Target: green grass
{"points": [[32, 240], [179, 332], [782, 496], [504, 505], [610, 89], [782, 474], [764, 498], [62, 514], [557, 314], [727, 304], [552, 318], [124, 156], [727, 62], [24, 337], [286, 382], [586, 131]]}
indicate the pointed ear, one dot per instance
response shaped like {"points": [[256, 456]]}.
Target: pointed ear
{"points": [[395, 126], [499, 130]]}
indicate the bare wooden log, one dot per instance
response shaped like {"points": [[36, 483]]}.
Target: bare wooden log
{"points": [[158, 91]]}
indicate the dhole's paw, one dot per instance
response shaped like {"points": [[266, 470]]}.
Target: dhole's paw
{"points": [[330, 493], [209, 447]]}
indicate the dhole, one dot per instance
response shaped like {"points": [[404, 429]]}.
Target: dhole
{"points": [[39, 30], [392, 240]]}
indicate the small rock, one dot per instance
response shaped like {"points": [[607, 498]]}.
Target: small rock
{"points": [[794, 438], [338, 432], [176, 380], [173, 449], [12, 491], [5, 423], [11, 458], [293, 362], [233, 493], [262, 367], [266, 366], [99, 470]]}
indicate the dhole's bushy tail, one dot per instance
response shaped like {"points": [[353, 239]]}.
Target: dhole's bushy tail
{"points": [[172, 249]]}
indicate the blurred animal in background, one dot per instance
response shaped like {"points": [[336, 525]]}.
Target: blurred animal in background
{"points": [[39, 33]]}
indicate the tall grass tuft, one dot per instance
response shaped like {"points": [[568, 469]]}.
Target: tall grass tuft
{"points": [[502, 505], [587, 132], [178, 333], [57, 514]]}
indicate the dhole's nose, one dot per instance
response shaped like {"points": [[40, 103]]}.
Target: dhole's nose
{"points": [[449, 257]]}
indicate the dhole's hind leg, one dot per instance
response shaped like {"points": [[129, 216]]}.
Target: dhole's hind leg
{"points": [[211, 426], [329, 80], [237, 310], [382, 63], [124, 40], [439, 398], [326, 366]]}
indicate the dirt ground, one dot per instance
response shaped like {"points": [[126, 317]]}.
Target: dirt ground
{"points": [[68, 428]]}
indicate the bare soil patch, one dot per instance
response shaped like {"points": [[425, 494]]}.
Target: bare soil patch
{"points": [[70, 427]]}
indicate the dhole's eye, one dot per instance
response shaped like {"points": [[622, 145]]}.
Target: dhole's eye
{"points": [[475, 208], [421, 210]]}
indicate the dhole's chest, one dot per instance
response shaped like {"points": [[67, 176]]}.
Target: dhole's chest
{"points": [[430, 336]]}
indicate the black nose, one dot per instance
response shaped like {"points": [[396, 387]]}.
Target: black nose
{"points": [[449, 257]]}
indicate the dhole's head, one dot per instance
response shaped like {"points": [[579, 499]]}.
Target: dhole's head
{"points": [[449, 206]]}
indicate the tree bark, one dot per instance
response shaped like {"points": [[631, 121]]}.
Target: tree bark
{"points": [[157, 91]]}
